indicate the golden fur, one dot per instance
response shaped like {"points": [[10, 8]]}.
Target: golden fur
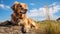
{"points": [[19, 16]]}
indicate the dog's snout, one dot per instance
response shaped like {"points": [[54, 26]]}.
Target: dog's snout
{"points": [[20, 12]]}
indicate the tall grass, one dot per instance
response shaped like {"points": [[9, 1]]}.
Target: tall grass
{"points": [[49, 28]]}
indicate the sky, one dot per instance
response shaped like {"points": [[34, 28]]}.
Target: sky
{"points": [[36, 9]]}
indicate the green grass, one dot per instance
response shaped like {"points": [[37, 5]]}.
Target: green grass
{"points": [[49, 28]]}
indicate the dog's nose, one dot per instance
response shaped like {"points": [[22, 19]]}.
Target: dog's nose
{"points": [[20, 12], [20, 6]]}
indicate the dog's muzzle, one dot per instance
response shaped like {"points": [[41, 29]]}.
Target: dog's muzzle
{"points": [[23, 11]]}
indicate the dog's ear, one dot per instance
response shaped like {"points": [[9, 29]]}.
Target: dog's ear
{"points": [[14, 7]]}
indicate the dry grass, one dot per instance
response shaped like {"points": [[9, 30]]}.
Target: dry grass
{"points": [[54, 28]]}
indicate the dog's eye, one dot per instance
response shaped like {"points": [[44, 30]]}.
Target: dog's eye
{"points": [[20, 6]]}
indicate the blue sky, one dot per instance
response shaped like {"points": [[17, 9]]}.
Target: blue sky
{"points": [[36, 9]]}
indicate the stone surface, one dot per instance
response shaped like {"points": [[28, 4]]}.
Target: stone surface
{"points": [[13, 30]]}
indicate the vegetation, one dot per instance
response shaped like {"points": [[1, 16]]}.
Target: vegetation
{"points": [[49, 28]]}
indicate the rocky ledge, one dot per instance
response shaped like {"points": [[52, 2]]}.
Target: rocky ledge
{"points": [[10, 29]]}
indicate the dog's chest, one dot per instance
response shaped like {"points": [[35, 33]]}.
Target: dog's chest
{"points": [[20, 21]]}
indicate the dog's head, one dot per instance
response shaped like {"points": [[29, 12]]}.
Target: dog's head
{"points": [[19, 8]]}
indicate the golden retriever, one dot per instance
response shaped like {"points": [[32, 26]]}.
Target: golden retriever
{"points": [[19, 16]]}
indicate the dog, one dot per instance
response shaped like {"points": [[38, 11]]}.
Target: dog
{"points": [[19, 16], [18, 9]]}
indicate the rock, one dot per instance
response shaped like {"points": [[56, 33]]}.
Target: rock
{"points": [[8, 28], [14, 30]]}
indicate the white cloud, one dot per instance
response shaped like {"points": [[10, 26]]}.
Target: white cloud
{"points": [[4, 6], [1, 5], [32, 4], [55, 9], [41, 12]]}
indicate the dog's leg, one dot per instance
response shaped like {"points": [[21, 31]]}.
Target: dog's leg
{"points": [[32, 23], [26, 25], [26, 28]]}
